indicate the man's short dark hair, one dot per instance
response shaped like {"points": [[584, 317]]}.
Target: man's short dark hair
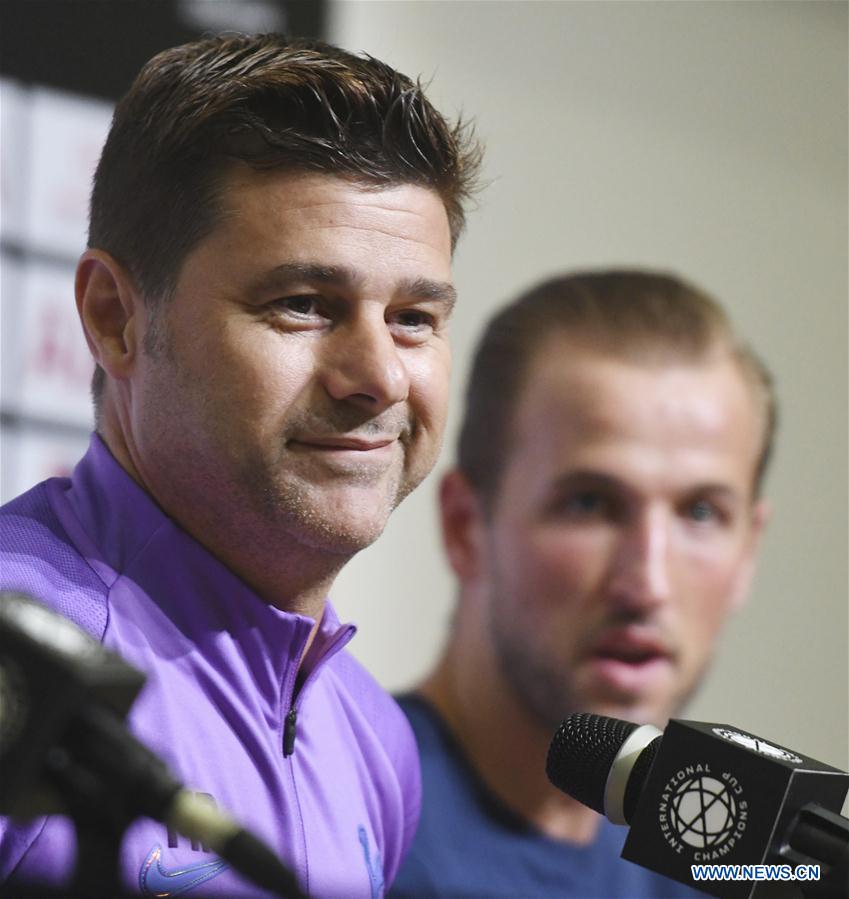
{"points": [[637, 315], [272, 103]]}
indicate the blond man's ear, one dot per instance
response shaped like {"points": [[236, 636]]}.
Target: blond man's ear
{"points": [[462, 519]]}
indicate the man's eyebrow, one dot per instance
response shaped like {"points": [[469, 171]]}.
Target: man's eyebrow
{"points": [[342, 276], [587, 477], [313, 272], [428, 289], [591, 478], [710, 488]]}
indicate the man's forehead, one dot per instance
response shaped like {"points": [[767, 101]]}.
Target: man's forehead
{"points": [[292, 204], [575, 396], [290, 225], [569, 368]]}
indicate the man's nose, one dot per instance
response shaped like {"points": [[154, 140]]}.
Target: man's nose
{"points": [[640, 580], [363, 365]]}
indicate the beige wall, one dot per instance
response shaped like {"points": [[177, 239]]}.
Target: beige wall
{"points": [[709, 138]]}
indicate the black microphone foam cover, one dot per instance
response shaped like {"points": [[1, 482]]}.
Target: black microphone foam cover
{"points": [[582, 753]]}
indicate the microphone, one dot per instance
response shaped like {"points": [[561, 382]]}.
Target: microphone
{"points": [[700, 795], [64, 748]]}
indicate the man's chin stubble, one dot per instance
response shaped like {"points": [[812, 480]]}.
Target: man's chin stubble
{"points": [[300, 514]]}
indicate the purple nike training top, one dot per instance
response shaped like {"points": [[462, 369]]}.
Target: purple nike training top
{"points": [[340, 809]]}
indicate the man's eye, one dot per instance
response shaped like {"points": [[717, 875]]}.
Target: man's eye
{"points": [[587, 501], [414, 319], [305, 304], [702, 511], [585, 504]]}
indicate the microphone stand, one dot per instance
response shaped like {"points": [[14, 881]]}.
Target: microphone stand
{"points": [[100, 823], [819, 836], [75, 755]]}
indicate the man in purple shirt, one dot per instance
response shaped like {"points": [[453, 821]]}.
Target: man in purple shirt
{"points": [[266, 294]]}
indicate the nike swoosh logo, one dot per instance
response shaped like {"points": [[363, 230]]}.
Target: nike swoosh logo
{"points": [[154, 880]]}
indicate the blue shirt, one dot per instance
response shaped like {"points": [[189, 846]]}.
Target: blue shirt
{"points": [[470, 845]]}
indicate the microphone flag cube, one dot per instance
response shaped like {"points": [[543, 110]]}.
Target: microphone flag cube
{"points": [[717, 795]]}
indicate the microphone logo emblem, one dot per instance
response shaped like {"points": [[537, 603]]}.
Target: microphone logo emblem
{"points": [[755, 744], [701, 814]]}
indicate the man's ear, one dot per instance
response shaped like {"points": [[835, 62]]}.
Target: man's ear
{"points": [[462, 520], [761, 512], [109, 307]]}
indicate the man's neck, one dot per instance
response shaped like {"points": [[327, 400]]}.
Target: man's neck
{"points": [[505, 744], [294, 578]]}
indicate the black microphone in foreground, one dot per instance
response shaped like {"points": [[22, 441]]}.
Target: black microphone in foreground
{"points": [[711, 806], [64, 748]]}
